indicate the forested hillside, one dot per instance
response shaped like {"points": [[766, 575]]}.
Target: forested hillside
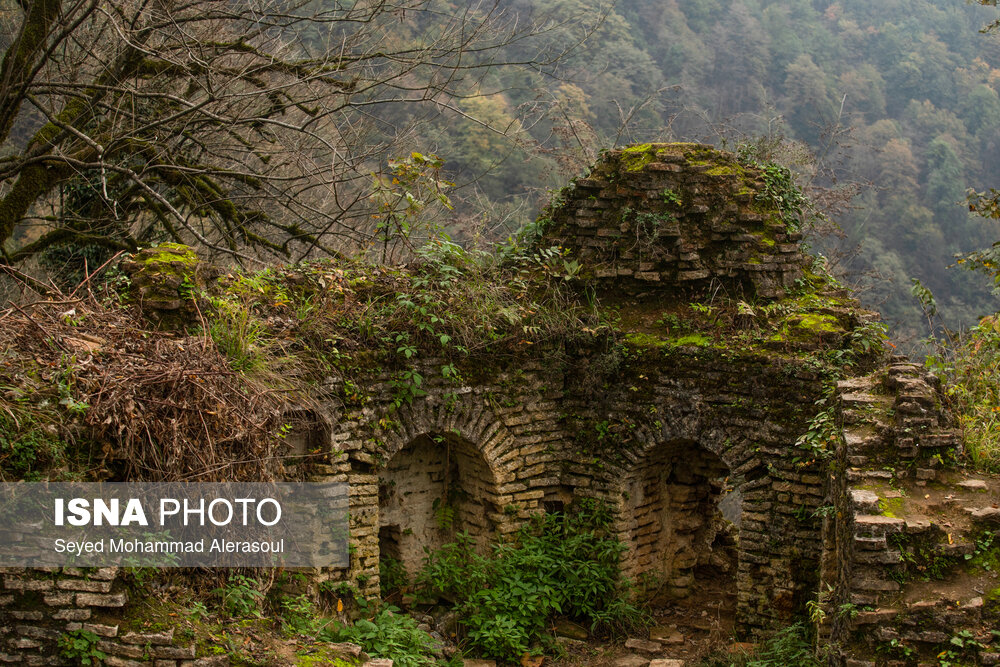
{"points": [[895, 99], [297, 146]]}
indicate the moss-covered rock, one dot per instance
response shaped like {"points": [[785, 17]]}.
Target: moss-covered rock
{"points": [[167, 281]]}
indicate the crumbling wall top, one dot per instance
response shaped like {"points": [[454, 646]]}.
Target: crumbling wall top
{"points": [[677, 217]]}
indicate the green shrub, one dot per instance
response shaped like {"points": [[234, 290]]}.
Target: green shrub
{"points": [[27, 448], [237, 333], [787, 648], [973, 365], [241, 597], [81, 647], [299, 616], [391, 576], [560, 564], [388, 635]]}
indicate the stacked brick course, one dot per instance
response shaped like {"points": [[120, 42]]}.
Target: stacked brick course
{"points": [[42, 606], [675, 216]]}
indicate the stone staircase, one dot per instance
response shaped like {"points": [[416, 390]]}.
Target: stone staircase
{"points": [[917, 539]]}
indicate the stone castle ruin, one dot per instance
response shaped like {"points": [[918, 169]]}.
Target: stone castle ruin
{"points": [[744, 458]]}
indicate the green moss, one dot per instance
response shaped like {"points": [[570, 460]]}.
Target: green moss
{"points": [[321, 658], [987, 554], [676, 148], [818, 323], [172, 257], [692, 339], [725, 170], [892, 507], [644, 340], [634, 158]]}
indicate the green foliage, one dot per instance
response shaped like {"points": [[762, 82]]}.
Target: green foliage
{"points": [[924, 297], [671, 197], [81, 647], [36, 406], [241, 597], [404, 197], [299, 616], [972, 364], [820, 439], [781, 192], [406, 386], [987, 205], [869, 338], [787, 648], [27, 444], [391, 576], [921, 560], [388, 634], [986, 556], [896, 648], [198, 610], [560, 564], [694, 339], [962, 649], [237, 333]]}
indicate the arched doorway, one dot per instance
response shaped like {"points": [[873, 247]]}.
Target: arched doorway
{"points": [[435, 487], [681, 515]]}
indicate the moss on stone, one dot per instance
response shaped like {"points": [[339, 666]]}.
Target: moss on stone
{"points": [[892, 507], [644, 340], [168, 258], [818, 323], [634, 158], [695, 339], [725, 170], [767, 240]]}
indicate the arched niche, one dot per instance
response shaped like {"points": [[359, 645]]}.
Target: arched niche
{"points": [[433, 488], [681, 514]]}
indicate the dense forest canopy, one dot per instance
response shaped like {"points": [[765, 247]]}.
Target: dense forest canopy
{"points": [[286, 129]]}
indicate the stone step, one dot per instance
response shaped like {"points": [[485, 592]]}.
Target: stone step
{"points": [[866, 476], [918, 525], [859, 442], [871, 584], [941, 440], [870, 543], [856, 385], [858, 400], [875, 617], [887, 557], [874, 525], [865, 501], [864, 599], [984, 516]]}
